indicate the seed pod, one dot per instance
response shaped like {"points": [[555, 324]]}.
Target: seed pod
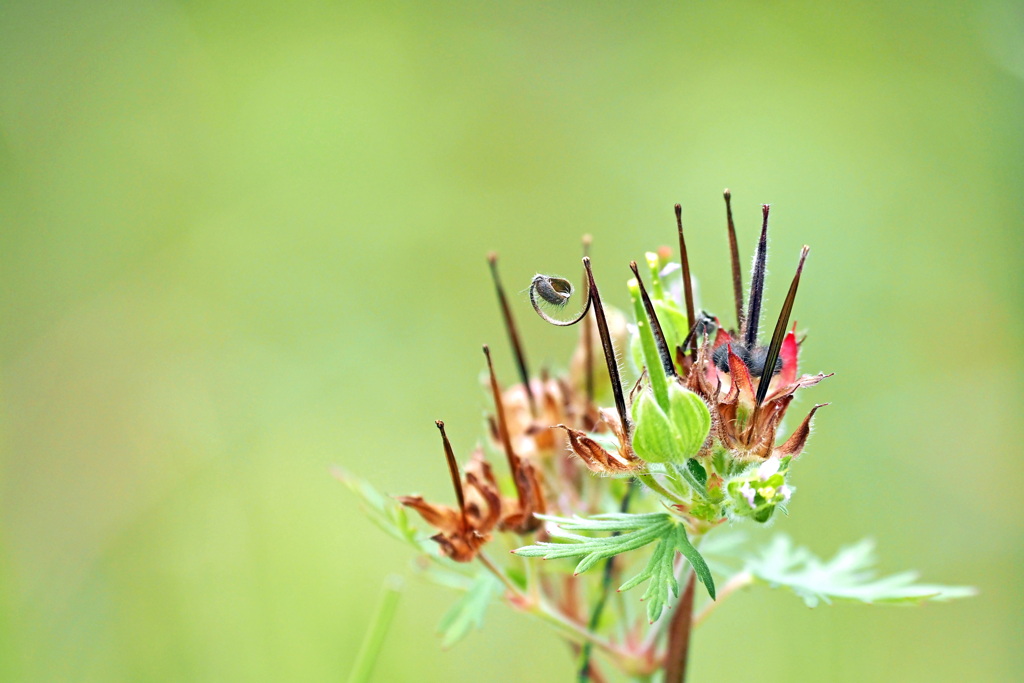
{"points": [[554, 290]]}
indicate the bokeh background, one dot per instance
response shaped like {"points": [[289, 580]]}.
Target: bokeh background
{"points": [[242, 242]]}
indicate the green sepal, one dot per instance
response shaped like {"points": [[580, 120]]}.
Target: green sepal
{"points": [[653, 435], [698, 471], [672, 437]]}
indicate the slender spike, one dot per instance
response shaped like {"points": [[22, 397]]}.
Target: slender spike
{"points": [[757, 285], [687, 284], [609, 348], [453, 469], [780, 331], [652, 315], [588, 336], [701, 324], [513, 332], [499, 409], [734, 253]]}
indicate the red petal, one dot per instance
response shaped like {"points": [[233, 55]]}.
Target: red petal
{"points": [[788, 354]]}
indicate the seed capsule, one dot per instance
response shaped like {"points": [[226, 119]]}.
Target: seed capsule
{"points": [[554, 290]]}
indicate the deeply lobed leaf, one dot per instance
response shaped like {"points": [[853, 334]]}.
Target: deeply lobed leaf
{"points": [[850, 575]]}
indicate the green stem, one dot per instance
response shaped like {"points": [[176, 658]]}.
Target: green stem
{"points": [[370, 649], [542, 610], [512, 588], [584, 671], [578, 633], [738, 581], [653, 484], [654, 265], [655, 371]]}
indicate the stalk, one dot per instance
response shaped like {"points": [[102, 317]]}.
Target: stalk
{"points": [[374, 640]]}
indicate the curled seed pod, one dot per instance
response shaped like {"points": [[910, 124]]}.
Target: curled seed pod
{"points": [[554, 291]]}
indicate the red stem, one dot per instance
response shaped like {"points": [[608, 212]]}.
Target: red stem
{"points": [[679, 636]]}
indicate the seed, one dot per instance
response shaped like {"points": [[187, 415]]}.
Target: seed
{"points": [[554, 290]]}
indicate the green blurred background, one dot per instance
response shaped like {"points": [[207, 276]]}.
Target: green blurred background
{"points": [[242, 242]]}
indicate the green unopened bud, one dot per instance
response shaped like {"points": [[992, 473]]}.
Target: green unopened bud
{"points": [[673, 436]]}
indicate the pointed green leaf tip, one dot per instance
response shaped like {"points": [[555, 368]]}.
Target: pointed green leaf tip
{"points": [[671, 437]]}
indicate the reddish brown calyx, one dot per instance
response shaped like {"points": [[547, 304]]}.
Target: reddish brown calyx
{"points": [[463, 530]]}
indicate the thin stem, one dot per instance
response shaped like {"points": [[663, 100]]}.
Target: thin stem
{"points": [[687, 283], [512, 588], [734, 254], [653, 484], [734, 584], [654, 266], [595, 674], [679, 636], [585, 666], [577, 632], [513, 332], [369, 651], [542, 610]]}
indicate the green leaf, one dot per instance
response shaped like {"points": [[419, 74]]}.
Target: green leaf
{"points": [[660, 570], [640, 531], [385, 512], [700, 567], [850, 575], [468, 611], [634, 531]]}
